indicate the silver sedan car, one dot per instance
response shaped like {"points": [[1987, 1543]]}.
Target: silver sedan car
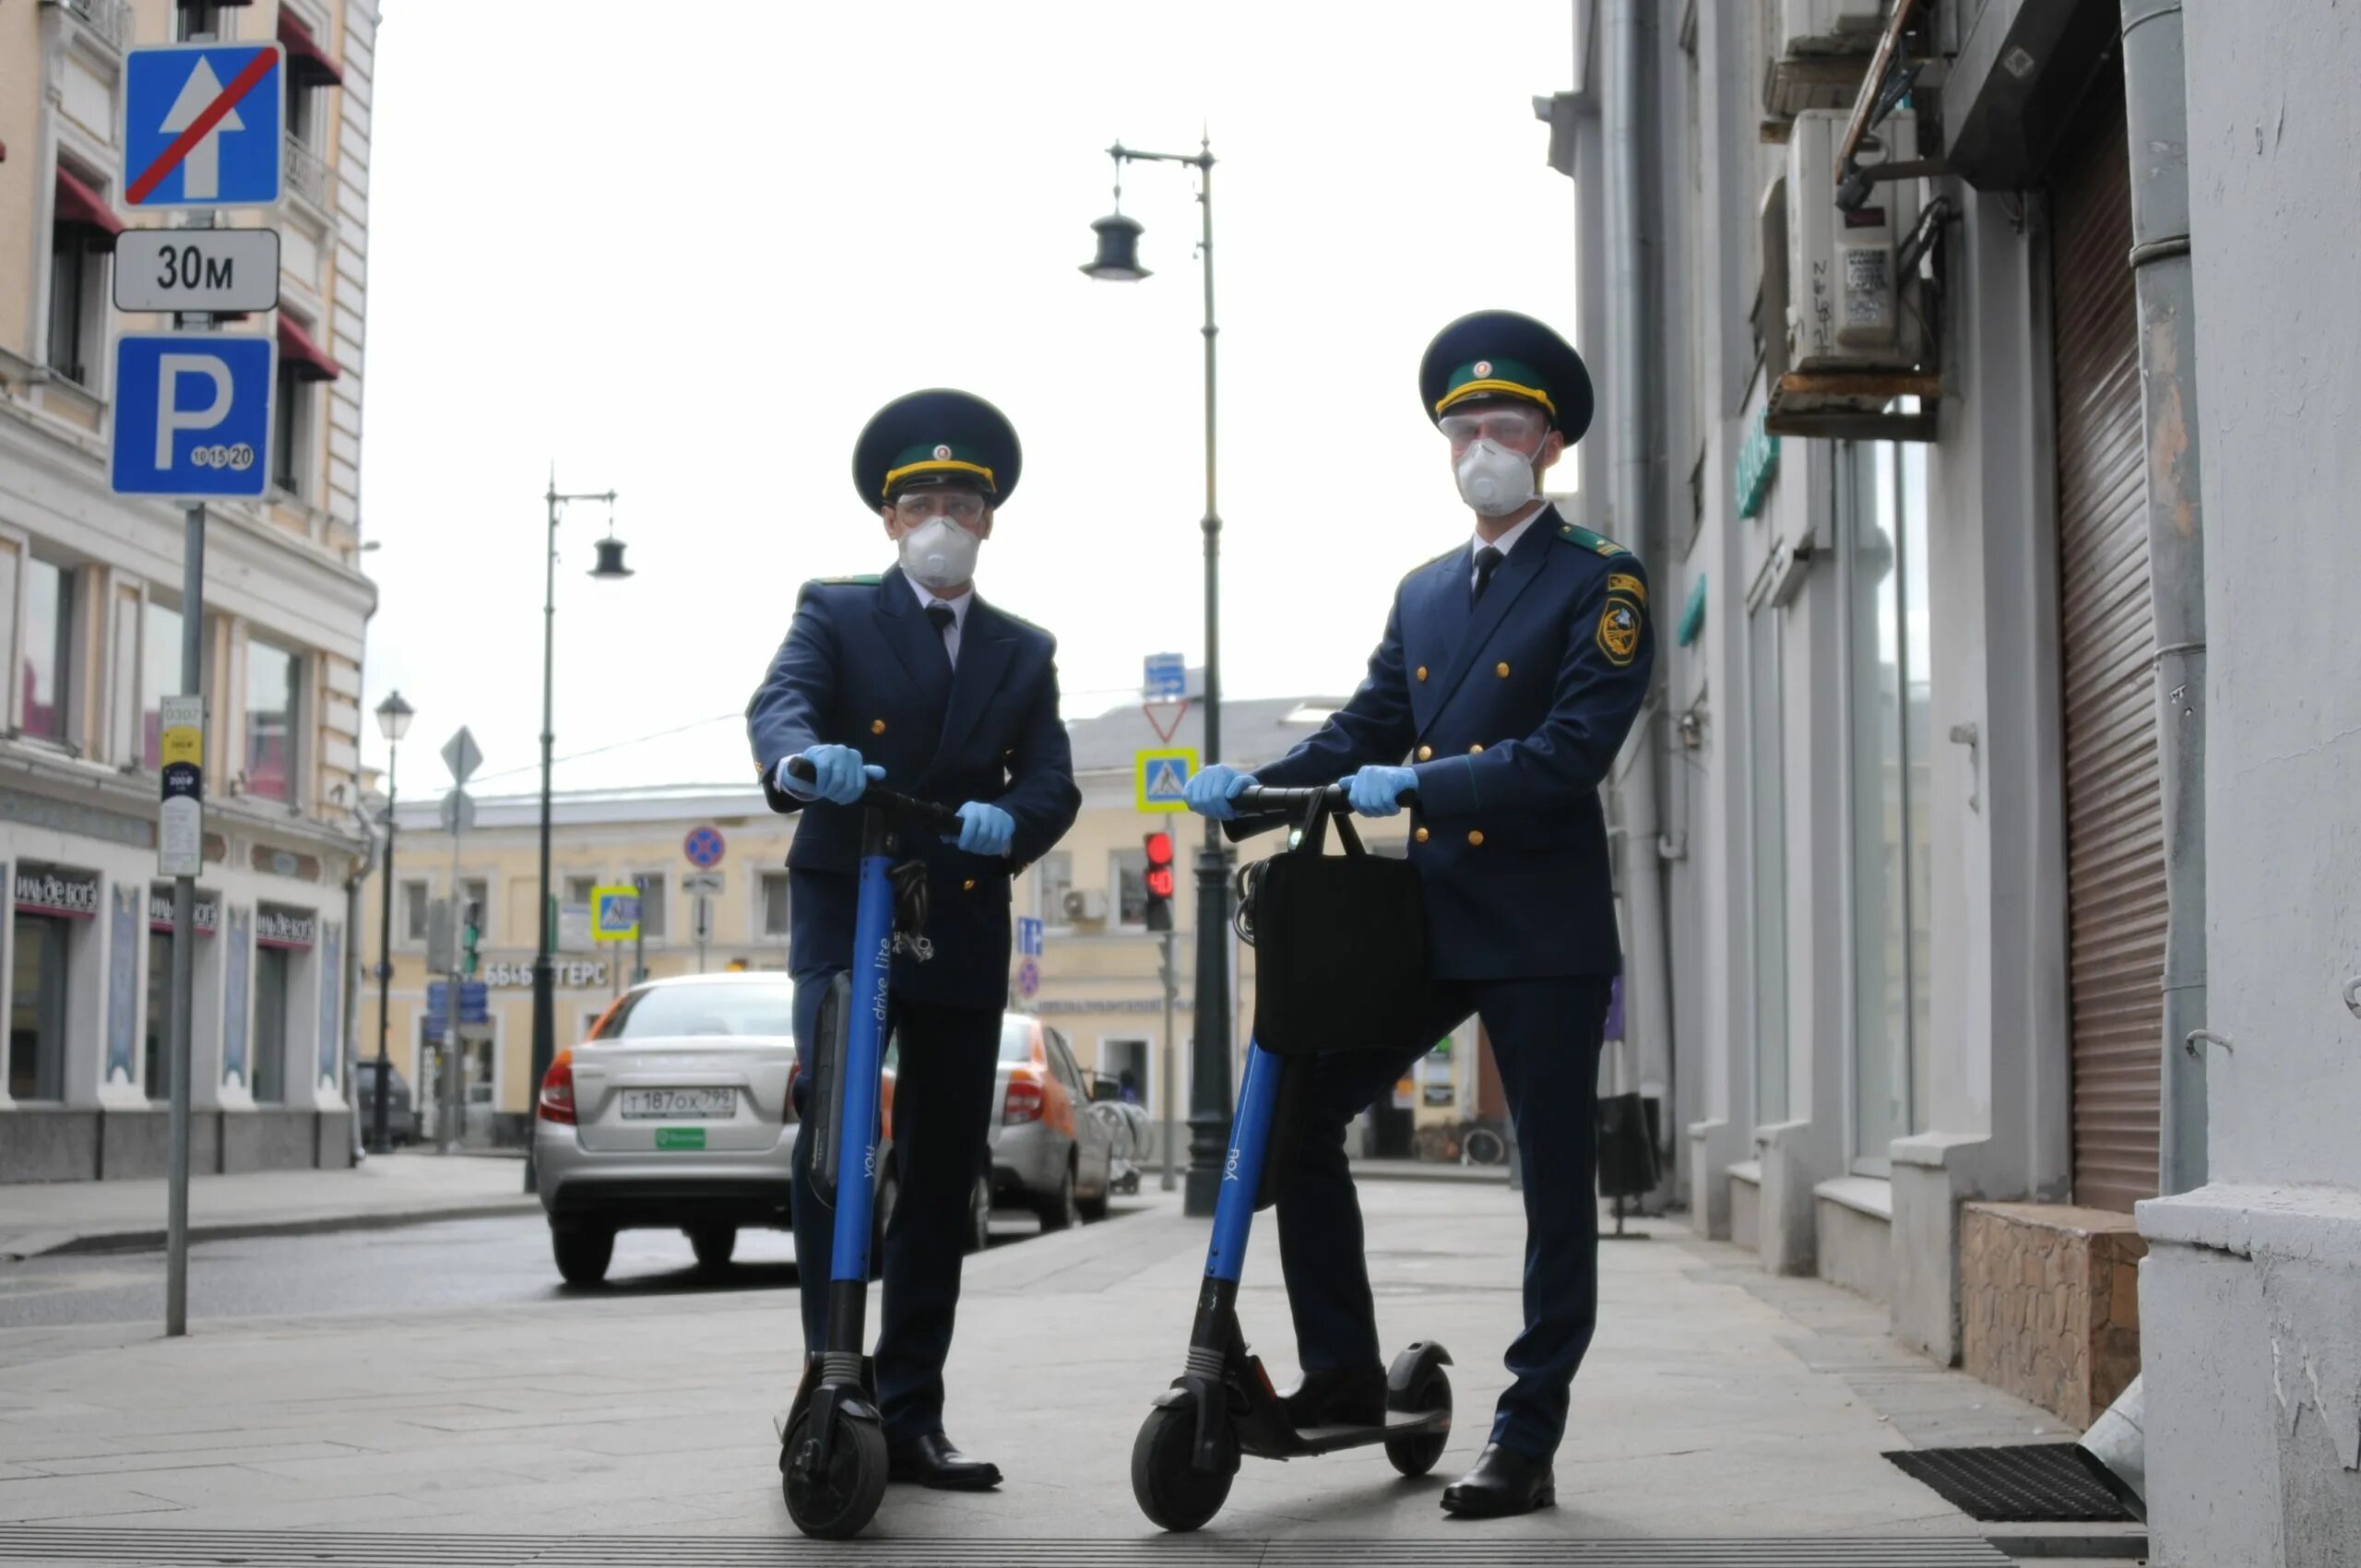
{"points": [[673, 1114], [1048, 1153]]}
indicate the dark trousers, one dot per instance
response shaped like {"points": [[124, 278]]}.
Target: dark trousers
{"points": [[944, 1061], [1545, 1036]]}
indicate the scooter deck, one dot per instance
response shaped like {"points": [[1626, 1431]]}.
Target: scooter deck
{"points": [[1329, 1439]]}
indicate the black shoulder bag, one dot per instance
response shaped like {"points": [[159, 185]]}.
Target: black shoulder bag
{"points": [[1340, 945]]}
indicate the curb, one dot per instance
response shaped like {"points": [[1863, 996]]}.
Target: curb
{"points": [[51, 1244]]}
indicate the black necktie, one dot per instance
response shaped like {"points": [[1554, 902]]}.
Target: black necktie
{"points": [[942, 615], [1487, 561]]}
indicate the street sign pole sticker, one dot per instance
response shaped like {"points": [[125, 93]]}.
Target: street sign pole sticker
{"points": [[614, 914], [1159, 777], [204, 126], [179, 835]]}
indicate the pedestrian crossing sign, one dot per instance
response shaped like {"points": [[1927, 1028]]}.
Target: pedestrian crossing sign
{"points": [[1159, 777], [614, 914]]}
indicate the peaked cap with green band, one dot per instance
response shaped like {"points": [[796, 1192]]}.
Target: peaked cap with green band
{"points": [[1500, 354], [934, 439]]}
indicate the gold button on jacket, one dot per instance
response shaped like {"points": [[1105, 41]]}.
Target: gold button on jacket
{"points": [[1420, 835], [1476, 835], [1502, 669], [877, 727], [1425, 753], [1422, 672]]}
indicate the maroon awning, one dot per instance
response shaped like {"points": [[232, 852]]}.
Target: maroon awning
{"points": [[307, 62], [80, 205], [306, 358]]}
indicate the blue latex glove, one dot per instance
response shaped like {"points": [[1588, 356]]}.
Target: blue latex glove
{"points": [[1210, 791], [840, 776], [1378, 791], [984, 829]]}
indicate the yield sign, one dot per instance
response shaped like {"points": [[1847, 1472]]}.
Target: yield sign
{"points": [[203, 125], [1178, 708]]}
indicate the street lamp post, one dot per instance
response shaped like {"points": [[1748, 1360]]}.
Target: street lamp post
{"points": [[1118, 261], [393, 722], [611, 565]]}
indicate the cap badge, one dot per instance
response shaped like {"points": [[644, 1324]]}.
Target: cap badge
{"points": [[941, 452], [1483, 367]]}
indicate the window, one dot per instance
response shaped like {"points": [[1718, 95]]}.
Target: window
{"points": [[775, 904], [414, 902], [1765, 714], [1053, 879], [476, 891], [272, 689], [1884, 508], [730, 1010], [302, 116], [1127, 1060], [1127, 878], [274, 973], [652, 907], [289, 424], [159, 1012], [48, 648], [37, 1007], [78, 293], [574, 915], [160, 676], [193, 18]]}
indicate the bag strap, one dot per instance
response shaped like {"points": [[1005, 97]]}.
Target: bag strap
{"points": [[1350, 840]]}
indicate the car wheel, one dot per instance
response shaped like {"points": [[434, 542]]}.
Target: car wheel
{"points": [[979, 1215], [1095, 1207], [583, 1253], [714, 1245], [1060, 1211]]}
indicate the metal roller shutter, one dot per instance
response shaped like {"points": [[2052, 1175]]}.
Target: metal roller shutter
{"points": [[2113, 805]]}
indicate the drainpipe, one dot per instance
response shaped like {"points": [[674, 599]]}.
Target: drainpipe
{"points": [[355, 976], [1647, 987], [2157, 104]]}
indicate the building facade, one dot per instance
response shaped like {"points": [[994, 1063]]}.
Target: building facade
{"points": [[90, 627], [1947, 932], [1098, 974]]}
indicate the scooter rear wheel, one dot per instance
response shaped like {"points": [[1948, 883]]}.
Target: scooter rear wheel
{"points": [[1172, 1492], [1417, 1455], [837, 1502]]}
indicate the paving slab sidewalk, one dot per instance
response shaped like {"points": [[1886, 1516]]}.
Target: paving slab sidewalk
{"points": [[1714, 1402], [393, 1189]]}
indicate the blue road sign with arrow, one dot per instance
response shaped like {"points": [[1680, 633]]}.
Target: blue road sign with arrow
{"points": [[204, 125]]}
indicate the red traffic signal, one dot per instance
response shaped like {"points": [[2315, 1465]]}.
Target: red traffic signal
{"points": [[1159, 881]]}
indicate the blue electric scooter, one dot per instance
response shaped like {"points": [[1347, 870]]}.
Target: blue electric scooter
{"points": [[832, 1456], [1223, 1406]]}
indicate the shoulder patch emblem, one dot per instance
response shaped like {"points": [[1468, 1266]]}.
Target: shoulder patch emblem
{"points": [[1623, 582], [1619, 630], [1575, 534]]}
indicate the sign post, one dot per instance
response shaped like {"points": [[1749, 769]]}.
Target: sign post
{"points": [[460, 755], [203, 128]]}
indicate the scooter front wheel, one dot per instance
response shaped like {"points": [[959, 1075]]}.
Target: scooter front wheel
{"points": [[835, 1501], [1172, 1492]]}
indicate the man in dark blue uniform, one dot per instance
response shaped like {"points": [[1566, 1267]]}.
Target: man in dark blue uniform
{"points": [[911, 678], [1510, 670]]}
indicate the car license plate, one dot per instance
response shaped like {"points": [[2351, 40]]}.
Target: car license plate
{"points": [[673, 1104]]}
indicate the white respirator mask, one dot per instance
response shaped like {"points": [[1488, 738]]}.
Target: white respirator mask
{"points": [[1494, 480], [939, 553]]}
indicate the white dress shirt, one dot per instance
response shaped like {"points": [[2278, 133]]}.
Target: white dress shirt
{"points": [[1505, 544], [928, 598]]}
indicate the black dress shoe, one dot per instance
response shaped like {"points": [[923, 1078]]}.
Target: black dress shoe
{"points": [[929, 1460], [1503, 1482], [1334, 1397]]}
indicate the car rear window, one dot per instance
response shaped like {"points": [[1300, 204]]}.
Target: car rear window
{"points": [[695, 1010], [1017, 1039]]}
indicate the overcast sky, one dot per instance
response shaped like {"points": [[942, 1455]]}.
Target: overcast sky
{"points": [[688, 259]]}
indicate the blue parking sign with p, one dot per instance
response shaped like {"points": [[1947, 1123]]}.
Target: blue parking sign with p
{"points": [[193, 413]]}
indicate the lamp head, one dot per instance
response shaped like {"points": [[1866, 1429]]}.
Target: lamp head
{"points": [[1118, 260], [393, 717]]}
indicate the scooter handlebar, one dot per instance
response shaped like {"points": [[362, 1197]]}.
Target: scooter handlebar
{"points": [[1260, 807], [926, 814]]}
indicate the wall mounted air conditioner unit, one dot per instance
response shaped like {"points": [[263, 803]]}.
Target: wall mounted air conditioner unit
{"points": [[1828, 27], [1085, 904], [1847, 306], [1820, 49]]}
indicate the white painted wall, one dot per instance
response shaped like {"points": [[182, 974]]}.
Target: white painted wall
{"points": [[2252, 1288]]}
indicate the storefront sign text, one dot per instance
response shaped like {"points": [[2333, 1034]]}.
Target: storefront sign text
{"points": [[57, 892]]}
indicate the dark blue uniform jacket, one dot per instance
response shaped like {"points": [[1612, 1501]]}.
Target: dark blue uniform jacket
{"points": [[1511, 712], [862, 667]]}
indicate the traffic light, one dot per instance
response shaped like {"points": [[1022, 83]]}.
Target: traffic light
{"points": [[1159, 882], [470, 937]]}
